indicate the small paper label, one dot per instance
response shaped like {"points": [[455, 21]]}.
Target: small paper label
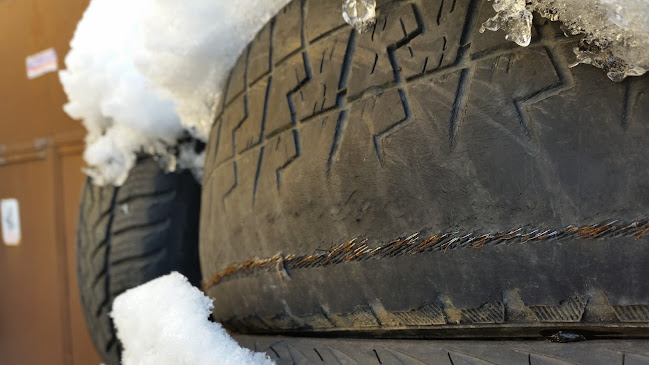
{"points": [[42, 63], [10, 221]]}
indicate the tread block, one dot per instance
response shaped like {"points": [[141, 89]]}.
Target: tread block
{"points": [[250, 132], [492, 312], [233, 116], [501, 104], [286, 79], [246, 180], [327, 60], [439, 43], [361, 317], [375, 48], [223, 182], [380, 115], [285, 39], [425, 316], [237, 81], [322, 17], [259, 62], [632, 313], [569, 310], [279, 154]]}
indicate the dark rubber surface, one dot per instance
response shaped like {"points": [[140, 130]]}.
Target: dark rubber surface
{"points": [[302, 351], [129, 235], [425, 179]]}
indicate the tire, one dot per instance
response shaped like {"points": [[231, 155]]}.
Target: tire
{"points": [[425, 180], [325, 351], [128, 235]]}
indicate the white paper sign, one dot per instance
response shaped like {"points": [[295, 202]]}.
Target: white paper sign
{"points": [[41, 63], [10, 221]]}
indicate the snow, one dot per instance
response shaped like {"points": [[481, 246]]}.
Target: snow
{"points": [[616, 32], [187, 49], [106, 91], [165, 322], [142, 74]]}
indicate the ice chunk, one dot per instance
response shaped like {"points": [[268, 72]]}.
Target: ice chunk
{"points": [[164, 322], [513, 18], [360, 14], [616, 32]]}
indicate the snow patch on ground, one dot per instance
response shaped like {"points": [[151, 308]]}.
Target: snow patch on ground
{"points": [[142, 74], [165, 322], [616, 32]]}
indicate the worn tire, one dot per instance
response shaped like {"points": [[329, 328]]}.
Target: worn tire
{"points": [[425, 180], [128, 235], [330, 351]]}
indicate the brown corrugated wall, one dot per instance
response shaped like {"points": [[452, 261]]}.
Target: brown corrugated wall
{"points": [[40, 165]]}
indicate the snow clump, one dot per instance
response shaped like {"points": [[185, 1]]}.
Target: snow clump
{"points": [[164, 322], [142, 75], [109, 94]]}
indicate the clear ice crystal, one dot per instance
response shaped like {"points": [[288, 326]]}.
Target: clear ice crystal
{"points": [[616, 32], [512, 17], [602, 56], [360, 14]]}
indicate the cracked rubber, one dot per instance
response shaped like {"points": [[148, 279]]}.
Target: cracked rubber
{"points": [[425, 180], [128, 235]]}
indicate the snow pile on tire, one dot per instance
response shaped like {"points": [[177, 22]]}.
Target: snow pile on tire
{"points": [[616, 32], [141, 75], [165, 322]]}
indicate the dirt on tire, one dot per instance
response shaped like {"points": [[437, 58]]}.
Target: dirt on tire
{"points": [[425, 179]]}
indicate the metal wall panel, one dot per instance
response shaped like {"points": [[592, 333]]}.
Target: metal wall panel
{"points": [[40, 313], [40, 164], [32, 109]]}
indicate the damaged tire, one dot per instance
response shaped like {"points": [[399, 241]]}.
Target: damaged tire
{"points": [[128, 235], [425, 180]]}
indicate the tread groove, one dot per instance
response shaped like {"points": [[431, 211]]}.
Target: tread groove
{"points": [[258, 173], [347, 61], [278, 171], [340, 126], [156, 195], [459, 106], [155, 225], [158, 251]]}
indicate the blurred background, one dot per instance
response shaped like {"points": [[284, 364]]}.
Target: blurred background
{"points": [[41, 320]]}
